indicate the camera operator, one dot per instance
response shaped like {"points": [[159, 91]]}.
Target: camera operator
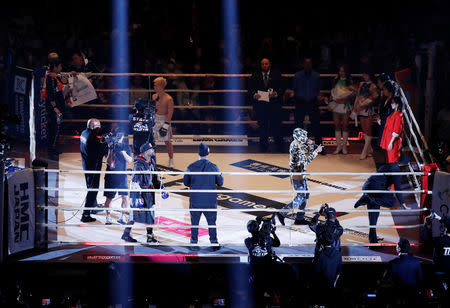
{"points": [[117, 159], [141, 124], [441, 244], [327, 253], [260, 244], [92, 152], [52, 91], [143, 162]]}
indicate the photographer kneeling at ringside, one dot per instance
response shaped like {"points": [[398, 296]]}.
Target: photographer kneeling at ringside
{"points": [[260, 244], [118, 157], [327, 254]]}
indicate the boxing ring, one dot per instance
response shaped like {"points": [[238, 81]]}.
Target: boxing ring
{"points": [[244, 195]]}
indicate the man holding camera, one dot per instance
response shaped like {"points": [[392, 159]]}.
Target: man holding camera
{"points": [[141, 125], [143, 162], [92, 152], [199, 200], [301, 152], [441, 244], [117, 159], [260, 244], [327, 253]]}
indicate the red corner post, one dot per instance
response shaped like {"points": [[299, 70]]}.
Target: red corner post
{"points": [[427, 185]]}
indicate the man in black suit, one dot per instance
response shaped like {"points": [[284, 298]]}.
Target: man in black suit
{"points": [[406, 271], [267, 113]]}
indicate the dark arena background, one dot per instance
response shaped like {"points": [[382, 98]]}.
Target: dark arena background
{"points": [[224, 153]]}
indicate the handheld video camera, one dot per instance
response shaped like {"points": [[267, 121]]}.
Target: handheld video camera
{"points": [[110, 139], [266, 226], [323, 209], [148, 108]]}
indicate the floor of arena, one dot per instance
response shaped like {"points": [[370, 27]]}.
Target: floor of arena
{"points": [[103, 243]]}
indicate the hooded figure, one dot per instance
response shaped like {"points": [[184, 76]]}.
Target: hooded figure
{"points": [[301, 152]]}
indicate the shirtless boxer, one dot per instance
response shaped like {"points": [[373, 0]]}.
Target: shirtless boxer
{"points": [[164, 111]]}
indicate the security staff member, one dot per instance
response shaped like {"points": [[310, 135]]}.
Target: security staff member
{"points": [[141, 125], [92, 152], [55, 103], [143, 162], [203, 200]]}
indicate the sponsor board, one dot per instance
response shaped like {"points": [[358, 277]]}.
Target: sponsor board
{"points": [[331, 143], [215, 140], [82, 91], [20, 104], [21, 214], [20, 84], [41, 116]]}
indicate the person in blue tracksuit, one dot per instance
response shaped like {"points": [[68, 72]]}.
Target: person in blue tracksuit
{"points": [[202, 200]]}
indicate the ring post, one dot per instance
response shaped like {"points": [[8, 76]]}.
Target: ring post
{"points": [[41, 199]]}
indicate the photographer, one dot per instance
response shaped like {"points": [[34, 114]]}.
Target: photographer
{"points": [[143, 162], [327, 253], [117, 159], [441, 244], [260, 244], [92, 152], [141, 124]]}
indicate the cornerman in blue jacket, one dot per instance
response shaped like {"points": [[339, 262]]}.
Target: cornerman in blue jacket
{"points": [[203, 200]]}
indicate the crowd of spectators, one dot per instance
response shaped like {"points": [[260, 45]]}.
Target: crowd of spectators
{"points": [[180, 41]]}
